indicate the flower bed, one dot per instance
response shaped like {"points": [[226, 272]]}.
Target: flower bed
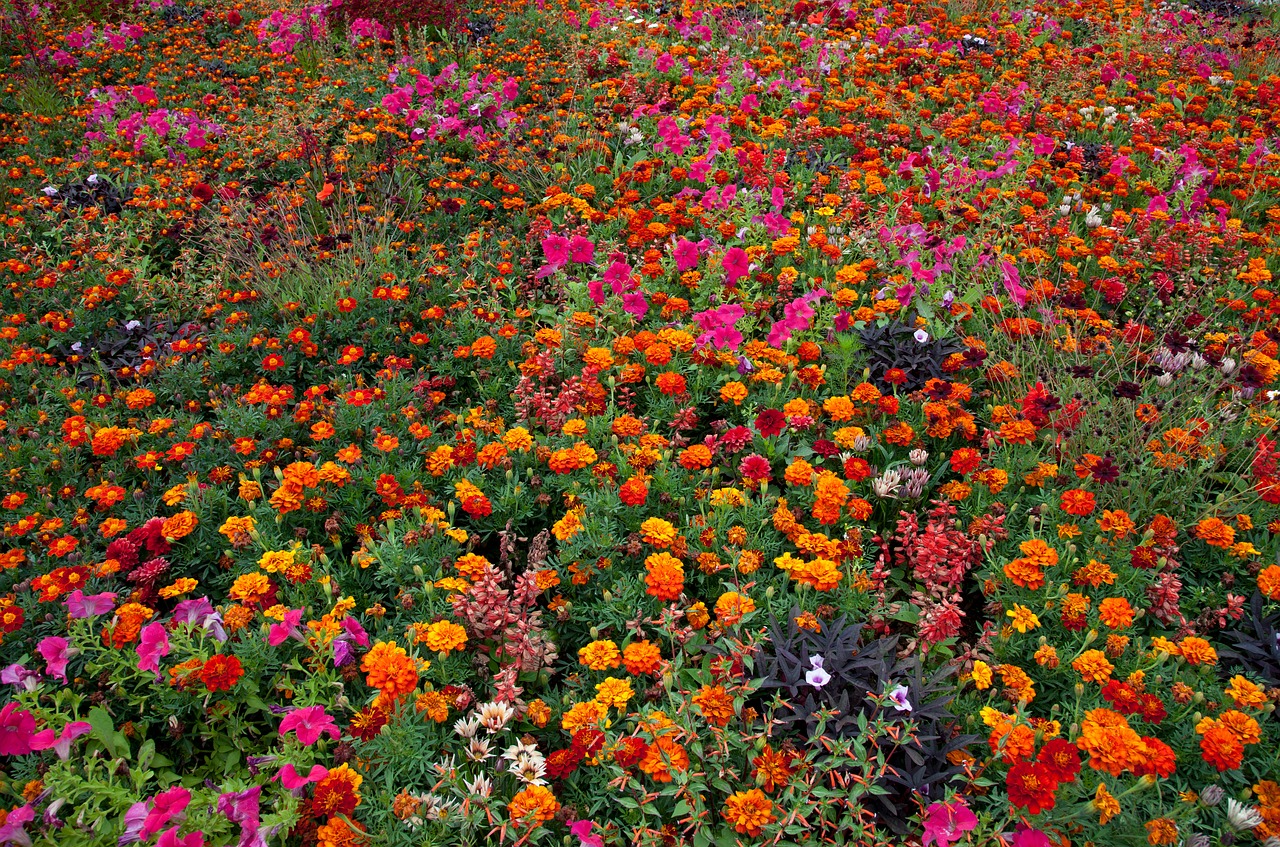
{"points": [[597, 424]]}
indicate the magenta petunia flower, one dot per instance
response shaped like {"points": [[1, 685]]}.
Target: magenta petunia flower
{"points": [[946, 823], [171, 838], [686, 254], [56, 653], [556, 249], [153, 644], [735, 264], [165, 807], [16, 729], [309, 723], [81, 605], [581, 250]]}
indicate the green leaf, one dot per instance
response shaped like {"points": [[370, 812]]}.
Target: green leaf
{"points": [[104, 730]]}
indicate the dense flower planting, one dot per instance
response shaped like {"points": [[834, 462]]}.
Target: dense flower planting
{"points": [[660, 423]]}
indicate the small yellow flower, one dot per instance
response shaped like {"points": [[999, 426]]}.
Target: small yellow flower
{"points": [[1024, 619]]}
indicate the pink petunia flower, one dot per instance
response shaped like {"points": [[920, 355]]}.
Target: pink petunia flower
{"points": [[60, 742], [16, 728], [946, 823], [309, 723], [735, 264], [56, 653], [153, 644]]}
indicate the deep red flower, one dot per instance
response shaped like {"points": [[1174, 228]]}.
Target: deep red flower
{"points": [[770, 422], [1061, 759], [221, 673], [1031, 787]]}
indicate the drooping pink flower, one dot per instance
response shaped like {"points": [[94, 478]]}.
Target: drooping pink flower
{"points": [[946, 823], [81, 605], [292, 780], [242, 807], [56, 654], [1013, 283], [309, 723], [60, 742], [153, 644], [279, 633]]}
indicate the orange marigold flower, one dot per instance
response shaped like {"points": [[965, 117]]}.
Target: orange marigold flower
{"points": [[338, 793], [1092, 665], [664, 756], [642, 657], [1220, 747], [391, 670], [1115, 612], [715, 703], [664, 577], [1215, 533], [1269, 581], [533, 806], [600, 655], [1078, 502], [1197, 651], [748, 811]]}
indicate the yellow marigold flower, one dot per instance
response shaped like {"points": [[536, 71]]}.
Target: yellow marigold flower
{"points": [[1092, 665], [614, 692], [1104, 804], [600, 655], [275, 561], [981, 675], [658, 532], [1024, 619]]}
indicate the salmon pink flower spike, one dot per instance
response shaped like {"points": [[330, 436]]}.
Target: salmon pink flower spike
{"points": [[309, 724]]}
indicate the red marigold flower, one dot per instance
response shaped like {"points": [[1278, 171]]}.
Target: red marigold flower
{"points": [[221, 673], [1031, 787], [1060, 759]]}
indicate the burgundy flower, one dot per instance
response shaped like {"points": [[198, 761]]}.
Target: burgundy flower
{"points": [[770, 422]]}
